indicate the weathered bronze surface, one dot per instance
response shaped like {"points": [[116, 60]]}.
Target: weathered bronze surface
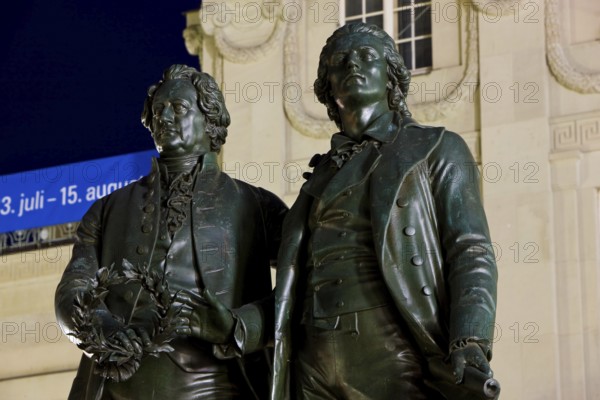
{"points": [[165, 269], [386, 279]]}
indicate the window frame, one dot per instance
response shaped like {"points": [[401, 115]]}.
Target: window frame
{"points": [[390, 12]]}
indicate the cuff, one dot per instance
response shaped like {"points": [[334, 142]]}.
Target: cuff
{"points": [[484, 344]]}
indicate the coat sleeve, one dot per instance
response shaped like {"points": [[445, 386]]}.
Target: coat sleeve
{"points": [[274, 211], [469, 262], [80, 273], [254, 321]]}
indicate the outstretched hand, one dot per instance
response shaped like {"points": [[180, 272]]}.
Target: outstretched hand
{"points": [[470, 355], [204, 317]]}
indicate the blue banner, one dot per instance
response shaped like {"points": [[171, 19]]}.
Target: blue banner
{"points": [[62, 194]]}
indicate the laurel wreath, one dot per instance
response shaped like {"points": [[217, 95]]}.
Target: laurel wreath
{"points": [[114, 361]]}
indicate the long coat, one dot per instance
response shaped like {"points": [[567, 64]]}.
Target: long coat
{"points": [[235, 237], [425, 201]]}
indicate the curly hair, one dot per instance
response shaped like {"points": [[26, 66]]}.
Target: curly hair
{"points": [[398, 74], [210, 102]]}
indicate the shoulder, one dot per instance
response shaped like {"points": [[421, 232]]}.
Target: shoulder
{"points": [[419, 132], [117, 198], [260, 194], [451, 145], [125, 193]]}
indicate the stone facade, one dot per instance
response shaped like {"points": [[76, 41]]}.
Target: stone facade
{"points": [[519, 80]]}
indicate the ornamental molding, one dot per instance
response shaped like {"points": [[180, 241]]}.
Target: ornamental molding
{"points": [[321, 128], [296, 113], [219, 19], [496, 7], [192, 36], [561, 65], [580, 132], [217, 25]]}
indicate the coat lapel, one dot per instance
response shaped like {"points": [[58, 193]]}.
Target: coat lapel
{"points": [[322, 174], [412, 145], [353, 173], [211, 210]]}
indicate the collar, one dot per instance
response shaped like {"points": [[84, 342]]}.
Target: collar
{"points": [[178, 165], [208, 164], [384, 129]]}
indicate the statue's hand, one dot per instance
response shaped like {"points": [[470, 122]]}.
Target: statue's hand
{"points": [[125, 355], [132, 340], [204, 317], [469, 355]]}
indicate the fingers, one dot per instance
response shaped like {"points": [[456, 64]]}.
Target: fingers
{"points": [[458, 365], [182, 322], [182, 326], [474, 357], [129, 340], [484, 367], [212, 299], [471, 355], [144, 336]]}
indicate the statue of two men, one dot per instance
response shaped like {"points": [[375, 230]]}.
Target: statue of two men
{"points": [[386, 281]]}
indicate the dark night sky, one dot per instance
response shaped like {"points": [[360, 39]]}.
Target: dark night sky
{"points": [[74, 76]]}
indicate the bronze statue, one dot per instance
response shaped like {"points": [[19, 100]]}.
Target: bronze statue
{"points": [[165, 269], [386, 279]]}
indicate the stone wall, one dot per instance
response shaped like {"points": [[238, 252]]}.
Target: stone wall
{"points": [[519, 80]]}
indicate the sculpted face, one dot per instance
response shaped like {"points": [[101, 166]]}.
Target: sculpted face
{"points": [[178, 125], [357, 70]]}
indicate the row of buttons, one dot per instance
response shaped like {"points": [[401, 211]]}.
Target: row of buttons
{"points": [[410, 231]]}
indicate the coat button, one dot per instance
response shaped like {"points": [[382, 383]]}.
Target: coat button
{"points": [[417, 260], [149, 208], [409, 231], [343, 234], [348, 192], [141, 249], [339, 281], [317, 288], [340, 304], [402, 203], [146, 228], [426, 290]]}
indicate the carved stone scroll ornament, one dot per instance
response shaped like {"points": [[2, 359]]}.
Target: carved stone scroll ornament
{"points": [[215, 21], [295, 111], [321, 128], [562, 67], [496, 7], [192, 36], [309, 125]]}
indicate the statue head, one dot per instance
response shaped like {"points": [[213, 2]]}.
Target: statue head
{"points": [[398, 76], [185, 112]]}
